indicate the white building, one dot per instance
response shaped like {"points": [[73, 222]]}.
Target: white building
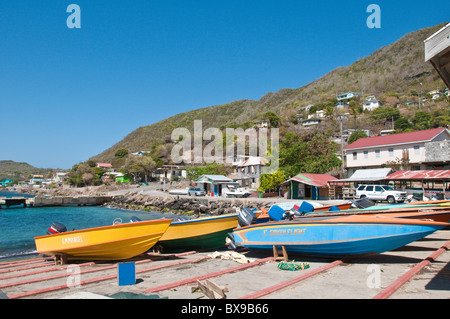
{"points": [[371, 105], [419, 150], [347, 96], [311, 122]]}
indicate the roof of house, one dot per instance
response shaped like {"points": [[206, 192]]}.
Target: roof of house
{"points": [[367, 175], [420, 175], [104, 165], [213, 179], [253, 160], [318, 180], [399, 138]]}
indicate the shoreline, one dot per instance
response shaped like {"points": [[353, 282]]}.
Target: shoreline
{"points": [[152, 198]]}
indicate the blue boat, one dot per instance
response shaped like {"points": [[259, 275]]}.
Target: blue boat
{"points": [[336, 236]]}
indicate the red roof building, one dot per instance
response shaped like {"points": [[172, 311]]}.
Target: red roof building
{"points": [[309, 186], [419, 150], [395, 139]]}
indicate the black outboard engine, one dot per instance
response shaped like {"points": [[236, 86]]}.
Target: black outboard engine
{"points": [[56, 228], [246, 217]]}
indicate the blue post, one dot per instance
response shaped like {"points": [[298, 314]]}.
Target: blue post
{"points": [[126, 274]]}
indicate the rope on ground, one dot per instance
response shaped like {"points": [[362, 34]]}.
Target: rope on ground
{"points": [[292, 266]]}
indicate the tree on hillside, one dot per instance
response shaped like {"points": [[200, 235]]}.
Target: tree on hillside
{"points": [[121, 153], [356, 136], [402, 124], [385, 114], [273, 119], [422, 120], [84, 174], [441, 117], [140, 167], [308, 153]]}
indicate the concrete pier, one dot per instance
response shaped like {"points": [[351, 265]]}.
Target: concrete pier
{"points": [[70, 201], [46, 201]]}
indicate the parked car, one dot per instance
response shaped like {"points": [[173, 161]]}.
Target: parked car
{"points": [[196, 191], [380, 193]]}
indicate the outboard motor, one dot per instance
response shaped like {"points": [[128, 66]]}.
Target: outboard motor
{"points": [[246, 217], [230, 241], [135, 219], [56, 228]]}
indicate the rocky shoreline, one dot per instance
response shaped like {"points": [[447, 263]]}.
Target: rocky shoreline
{"points": [[152, 199], [183, 205]]}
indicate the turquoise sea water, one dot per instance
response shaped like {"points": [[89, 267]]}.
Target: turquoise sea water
{"points": [[19, 226]]}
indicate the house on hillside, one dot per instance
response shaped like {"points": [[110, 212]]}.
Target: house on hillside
{"points": [[6, 182], [342, 105], [371, 105], [121, 178], [311, 122], [104, 165], [419, 150], [169, 173], [59, 177], [347, 96], [309, 186], [141, 153]]}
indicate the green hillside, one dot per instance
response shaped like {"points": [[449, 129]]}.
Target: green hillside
{"points": [[18, 170], [393, 74]]}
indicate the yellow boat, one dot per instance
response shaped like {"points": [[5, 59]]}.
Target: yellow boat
{"points": [[115, 242], [201, 233]]}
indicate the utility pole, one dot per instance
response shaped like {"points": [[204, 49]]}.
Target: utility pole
{"points": [[421, 94], [341, 117], [362, 85]]}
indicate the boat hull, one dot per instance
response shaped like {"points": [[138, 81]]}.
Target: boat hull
{"points": [[344, 206], [115, 242], [201, 233], [342, 236], [435, 216]]}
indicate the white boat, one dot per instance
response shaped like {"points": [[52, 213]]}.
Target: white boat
{"points": [[179, 191], [233, 191]]}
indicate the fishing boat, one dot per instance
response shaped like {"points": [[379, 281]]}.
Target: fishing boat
{"points": [[335, 236], [278, 211], [437, 216], [201, 233], [326, 208], [429, 212], [115, 242]]}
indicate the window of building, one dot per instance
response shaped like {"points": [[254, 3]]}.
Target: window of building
{"points": [[377, 153], [391, 152], [366, 154], [355, 155]]}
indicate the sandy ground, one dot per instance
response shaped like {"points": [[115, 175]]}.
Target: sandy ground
{"points": [[359, 278]]}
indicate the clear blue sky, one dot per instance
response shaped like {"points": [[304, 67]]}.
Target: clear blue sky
{"points": [[68, 94]]}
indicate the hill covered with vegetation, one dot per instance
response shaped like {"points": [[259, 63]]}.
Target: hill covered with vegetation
{"points": [[396, 74], [19, 171]]}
